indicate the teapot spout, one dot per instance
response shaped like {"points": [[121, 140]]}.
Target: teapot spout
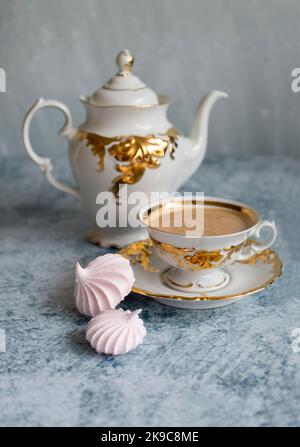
{"points": [[200, 126]]}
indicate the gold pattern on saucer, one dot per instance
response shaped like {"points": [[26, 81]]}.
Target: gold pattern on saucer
{"points": [[186, 286], [265, 256], [137, 152], [142, 249], [190, 284], [199, 259], [277, 271], [139, 253]]}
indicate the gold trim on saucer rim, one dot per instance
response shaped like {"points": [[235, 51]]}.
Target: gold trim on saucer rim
{"points": [[272, 258]]}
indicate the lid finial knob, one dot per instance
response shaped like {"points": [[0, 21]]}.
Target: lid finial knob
{"points": [[125, 61]]}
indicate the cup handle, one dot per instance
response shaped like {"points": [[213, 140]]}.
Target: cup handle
{"points": [[45, 164], [254, 247]]}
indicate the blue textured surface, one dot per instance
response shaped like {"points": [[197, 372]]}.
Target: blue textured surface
{"points": [[231, 366]]}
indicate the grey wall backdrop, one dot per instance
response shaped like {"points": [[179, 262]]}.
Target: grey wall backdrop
{"points": [[63, 48]]}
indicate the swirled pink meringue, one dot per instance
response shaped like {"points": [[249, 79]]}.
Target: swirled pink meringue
{"points": [[103, 284], [116, 331]]}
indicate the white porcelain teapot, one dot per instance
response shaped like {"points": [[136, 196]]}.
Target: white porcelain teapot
{"points": [[126, 139]]}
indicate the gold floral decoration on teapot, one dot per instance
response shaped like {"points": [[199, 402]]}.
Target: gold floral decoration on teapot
{"points": [[133, 153]]}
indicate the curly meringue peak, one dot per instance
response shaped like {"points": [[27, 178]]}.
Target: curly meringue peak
{"points": [[102, 284], [116, 331]]}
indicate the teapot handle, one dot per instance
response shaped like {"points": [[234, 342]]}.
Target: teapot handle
{"points": [[45, 164]]}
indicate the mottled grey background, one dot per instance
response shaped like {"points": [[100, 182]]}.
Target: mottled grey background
{"points": [[63, 48]]}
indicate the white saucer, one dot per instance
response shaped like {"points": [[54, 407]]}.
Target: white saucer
{"points": [[246, 278]]}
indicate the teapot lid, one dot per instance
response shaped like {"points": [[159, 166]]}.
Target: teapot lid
{"points": [[124, 89]]}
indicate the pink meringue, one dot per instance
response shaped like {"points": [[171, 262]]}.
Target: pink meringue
{"points": [[116, 331], [103, 284]]}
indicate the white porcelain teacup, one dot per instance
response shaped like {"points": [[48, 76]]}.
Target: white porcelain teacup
{"points": [[198, 257]]}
